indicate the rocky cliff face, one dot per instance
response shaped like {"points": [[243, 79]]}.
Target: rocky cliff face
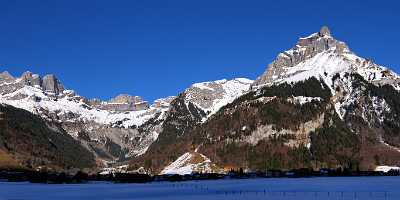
{"points": [[51, 84], [305, 49], [6, 77], [124, 102]]}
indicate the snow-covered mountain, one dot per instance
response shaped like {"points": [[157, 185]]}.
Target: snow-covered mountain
{"points": [[120, 128], [211, 96], [325, 58], [317, 105], [322, 56]]}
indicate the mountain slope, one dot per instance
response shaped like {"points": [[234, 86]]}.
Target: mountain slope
{"points": [[32, 142], [317, 105], [120, 128], [189, 163], [188, 110]]}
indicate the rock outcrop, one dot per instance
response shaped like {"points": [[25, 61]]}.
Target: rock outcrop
{"points": [[121, 103], [305, 48], [6, 77], [51, 84], [28, 78]]}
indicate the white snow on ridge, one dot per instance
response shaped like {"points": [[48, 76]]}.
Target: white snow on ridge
{"points": [[233, 89], [211, 96], [327, 64], [67, 105]]}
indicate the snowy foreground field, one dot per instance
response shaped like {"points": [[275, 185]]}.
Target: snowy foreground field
{"points": [[361, 188]]}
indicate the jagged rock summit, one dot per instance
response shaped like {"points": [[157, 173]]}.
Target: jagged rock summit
{"points": [[6, 77], [49, 83], [121, 103], [325, 31], [322, 56]]}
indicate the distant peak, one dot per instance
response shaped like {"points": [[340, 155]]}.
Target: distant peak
{"points": [[6, 73], [50, 76], [324, 31], [27, 73], [305, 49], [6, 76]]}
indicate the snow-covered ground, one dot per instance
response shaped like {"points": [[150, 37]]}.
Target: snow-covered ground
{"points": [[346, 188], [191, 162], [386, 169]]}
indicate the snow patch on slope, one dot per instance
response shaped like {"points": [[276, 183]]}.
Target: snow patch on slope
{"points": [[302, 99], [191, 162], [211, 96], [386, 169]]}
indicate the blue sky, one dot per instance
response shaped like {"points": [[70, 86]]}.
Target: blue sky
{"points": [[158, 48]]}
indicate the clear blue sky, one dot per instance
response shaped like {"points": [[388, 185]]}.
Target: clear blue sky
{"points": [[158, 48]]}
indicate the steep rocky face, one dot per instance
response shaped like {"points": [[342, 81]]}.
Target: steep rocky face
{"points": [[31, 79], [124, 102], [6, 77], [51, 84]]}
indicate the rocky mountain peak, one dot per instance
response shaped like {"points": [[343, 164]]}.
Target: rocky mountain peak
{"points": [[5, 76], [51, 84], [305, 49], [316, 43], [125, 102], [324, 31], [125, 98], [28, 78]]}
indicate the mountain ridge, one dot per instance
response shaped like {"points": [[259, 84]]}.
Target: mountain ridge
{"points": [[316, 105], [112, 130], [318, 95]]}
